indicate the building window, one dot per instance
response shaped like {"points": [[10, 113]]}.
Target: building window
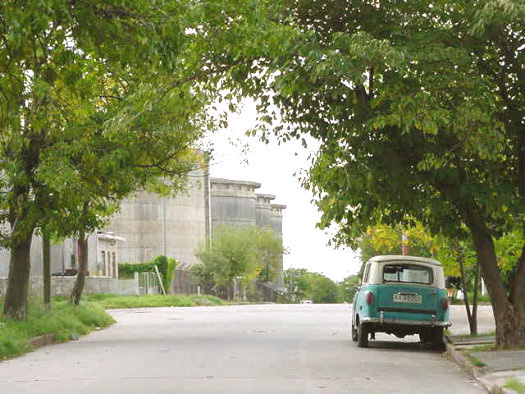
{"points": [[102, 270], [110, 265]]}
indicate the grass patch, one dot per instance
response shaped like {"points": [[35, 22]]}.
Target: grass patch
{"points": [[516, 385], [482, 300], [62, 321], [109, 301], [483, 348], [475, 361], [466, 337]]}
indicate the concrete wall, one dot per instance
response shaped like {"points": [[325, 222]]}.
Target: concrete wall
{"points": [[4, 262], [63, 285], [263, 210], [233, 202], [146, 226], [276, 218], [60, 257], [172, 226]]}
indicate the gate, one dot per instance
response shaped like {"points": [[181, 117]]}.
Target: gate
{"points": [[148, 283]]}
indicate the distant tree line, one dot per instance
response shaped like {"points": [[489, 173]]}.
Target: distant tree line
{"points": [[303, 285]]}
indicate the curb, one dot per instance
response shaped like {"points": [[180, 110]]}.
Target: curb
{"points": [[476, 372], [42, 340]]}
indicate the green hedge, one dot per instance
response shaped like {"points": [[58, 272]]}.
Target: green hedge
{"points": [[164, 264]]}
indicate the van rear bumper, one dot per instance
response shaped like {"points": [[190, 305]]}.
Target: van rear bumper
{"points": [[433, 322]]}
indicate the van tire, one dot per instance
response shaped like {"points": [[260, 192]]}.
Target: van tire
{"points": [[425, 335], [362, 335], [437, 338], [354, 333]]}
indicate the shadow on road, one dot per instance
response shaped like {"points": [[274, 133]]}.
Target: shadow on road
{"points": [[403, 345]]}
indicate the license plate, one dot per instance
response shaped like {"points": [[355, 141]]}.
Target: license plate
{"points": [[408, 298]]}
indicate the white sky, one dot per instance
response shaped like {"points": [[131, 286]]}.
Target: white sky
{"points": [[273, 166]]}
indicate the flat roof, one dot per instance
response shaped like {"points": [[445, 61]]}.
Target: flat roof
{"points": [[263, 195], [256, 185], [404, 258]]}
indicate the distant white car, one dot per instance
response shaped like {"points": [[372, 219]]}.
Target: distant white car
{"points": [[306, 302]]}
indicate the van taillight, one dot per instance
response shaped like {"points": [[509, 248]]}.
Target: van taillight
{"points": [[369, 298], [444, 303]]}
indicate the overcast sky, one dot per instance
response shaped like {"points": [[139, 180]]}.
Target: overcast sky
{"points": [[274, 166]]}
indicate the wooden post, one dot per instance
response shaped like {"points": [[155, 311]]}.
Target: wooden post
{"points": [[160, 280]]}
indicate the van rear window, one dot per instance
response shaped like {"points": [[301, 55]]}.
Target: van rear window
{"points": [[407, 273]]}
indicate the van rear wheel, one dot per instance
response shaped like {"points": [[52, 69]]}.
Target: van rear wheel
{"points": [[362, 335], [437, 338], [354, 333], [425, 335]]}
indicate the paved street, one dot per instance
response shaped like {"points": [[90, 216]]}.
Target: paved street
{"points": [[236, 349]]}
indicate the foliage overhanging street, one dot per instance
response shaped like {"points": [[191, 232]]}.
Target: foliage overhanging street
{"points": [[419, 107]]}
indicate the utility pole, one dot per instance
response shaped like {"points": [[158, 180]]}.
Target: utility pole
{"points": [[404, 246]]}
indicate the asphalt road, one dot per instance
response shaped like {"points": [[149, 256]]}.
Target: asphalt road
{"points": [[235, 349]]}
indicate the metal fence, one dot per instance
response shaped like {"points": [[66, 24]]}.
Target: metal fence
{"points": [[148, 283]]}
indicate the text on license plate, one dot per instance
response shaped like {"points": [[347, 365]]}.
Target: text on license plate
{"points": [[408, 298]]}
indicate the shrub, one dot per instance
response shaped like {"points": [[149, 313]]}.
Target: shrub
{"points": [[165, 265]]}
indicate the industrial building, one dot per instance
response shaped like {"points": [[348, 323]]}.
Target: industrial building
{"points": [[149, 225]]}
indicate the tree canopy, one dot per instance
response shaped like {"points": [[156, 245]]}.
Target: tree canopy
{"points": [[244, 253], [303, 285], [99, 99], [420, 109]]}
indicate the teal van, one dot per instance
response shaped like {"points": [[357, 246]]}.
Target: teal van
{"points": [[401, 295]]}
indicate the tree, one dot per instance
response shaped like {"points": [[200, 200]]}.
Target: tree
{"points": [[419, 107], [296, 285], [348, 287], [323, 290], [98, 99], [242, 253], [300, 284]]}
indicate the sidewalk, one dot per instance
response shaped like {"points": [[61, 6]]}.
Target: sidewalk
{"points": [[500, 371]]}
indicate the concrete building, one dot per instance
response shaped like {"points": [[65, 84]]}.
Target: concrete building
{"points": [[148, 225], [276, 218], [233, 202], [171, 226]]}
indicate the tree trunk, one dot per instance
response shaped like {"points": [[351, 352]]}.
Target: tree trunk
{"points": [[471, 320], [475, 293], [15, 304], [76, 293], [508, 315], [517, 292], [46, 268]]}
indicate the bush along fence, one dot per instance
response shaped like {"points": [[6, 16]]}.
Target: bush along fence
{"points": [[165, 265]]}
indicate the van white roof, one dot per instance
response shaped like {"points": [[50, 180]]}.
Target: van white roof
{"points": [[395, 258]]}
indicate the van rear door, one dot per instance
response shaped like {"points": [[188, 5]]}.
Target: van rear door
{"points": [[407, 292]]}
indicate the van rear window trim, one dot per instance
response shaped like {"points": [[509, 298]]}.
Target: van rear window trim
{"points": [[428, 269]]}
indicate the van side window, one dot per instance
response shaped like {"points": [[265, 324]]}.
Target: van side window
{"points": [[366, 273]]}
